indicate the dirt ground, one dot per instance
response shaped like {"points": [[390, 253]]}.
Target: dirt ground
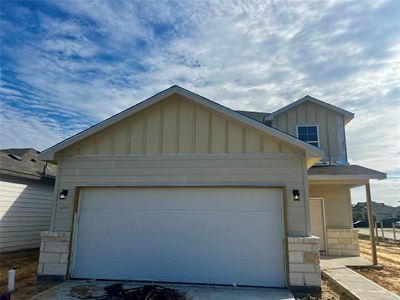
{"points": [[331, 292], [389, 258], [25, 264]]}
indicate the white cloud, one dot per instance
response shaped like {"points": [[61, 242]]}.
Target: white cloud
{"points": [[19, 130], [105, 56]]}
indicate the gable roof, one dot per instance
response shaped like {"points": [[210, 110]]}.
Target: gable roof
{"points": [[312, 152], [348, 116], [24, 162]]}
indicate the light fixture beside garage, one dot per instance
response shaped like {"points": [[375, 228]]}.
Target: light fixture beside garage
{"points": [[63, 194], [296, 195]]}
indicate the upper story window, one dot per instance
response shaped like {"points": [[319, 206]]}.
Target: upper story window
{"points": [[308, 134]]}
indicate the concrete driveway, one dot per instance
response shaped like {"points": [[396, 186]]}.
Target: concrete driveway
{"points": [[75, 289]]}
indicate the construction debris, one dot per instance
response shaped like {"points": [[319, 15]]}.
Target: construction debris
{"points": [[147, 292]]}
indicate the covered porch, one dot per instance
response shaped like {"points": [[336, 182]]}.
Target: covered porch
{"points": [[331, 207]]}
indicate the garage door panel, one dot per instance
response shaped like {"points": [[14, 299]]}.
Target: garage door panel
{"points": [[255, 246], [191, 270], [236, 237], [172, 221], [211, 199]]}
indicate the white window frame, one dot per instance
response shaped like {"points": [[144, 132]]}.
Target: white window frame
{"points": [[309, 125]]}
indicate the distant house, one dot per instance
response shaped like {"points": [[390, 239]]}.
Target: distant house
{"points": [[381, 211], [26, 198]]}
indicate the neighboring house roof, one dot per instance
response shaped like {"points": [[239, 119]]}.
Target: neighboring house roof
{"points": [[255, 115], [378, 208], [344, 172], [312, 152], [348, 116], [24, 162]]}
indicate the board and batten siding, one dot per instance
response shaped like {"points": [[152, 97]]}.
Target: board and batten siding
{"points": [[178, 126], [274, 169], [330, 126], [25, 210], [337, 201], [178, 142]]}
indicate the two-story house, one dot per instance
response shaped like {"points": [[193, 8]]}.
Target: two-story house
{"points": [[179, 188], [330, 179]]}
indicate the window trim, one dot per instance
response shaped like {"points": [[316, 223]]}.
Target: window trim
{"points": [[309, 125]]}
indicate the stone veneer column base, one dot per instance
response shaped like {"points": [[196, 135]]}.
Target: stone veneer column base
{"points": [[304, 269], [53, 260], [342, 242]]}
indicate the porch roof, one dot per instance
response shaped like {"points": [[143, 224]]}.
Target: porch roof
{"points": [[343, 172]]}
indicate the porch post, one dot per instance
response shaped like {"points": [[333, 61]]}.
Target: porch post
{"points": [[371, 223]]}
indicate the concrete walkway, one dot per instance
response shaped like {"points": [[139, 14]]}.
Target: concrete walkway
{"points": [[75, 289], [353, 283]]}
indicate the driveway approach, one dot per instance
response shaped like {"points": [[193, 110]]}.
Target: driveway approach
{"points": [[75, 289]]}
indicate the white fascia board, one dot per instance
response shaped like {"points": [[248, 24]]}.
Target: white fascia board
{"points": [[310, 151]]}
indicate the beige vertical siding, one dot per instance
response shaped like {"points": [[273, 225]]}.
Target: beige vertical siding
{"points": [[177, 125], [284, 169], [337, 204], [25, 210], [180, 143], [330, 125]]}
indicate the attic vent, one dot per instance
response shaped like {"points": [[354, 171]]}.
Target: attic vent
{"points": [[16, 157], [33, 160]]}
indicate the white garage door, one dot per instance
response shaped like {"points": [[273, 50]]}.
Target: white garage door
{"points": [[196, 235]]}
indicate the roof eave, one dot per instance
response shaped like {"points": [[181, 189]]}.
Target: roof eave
{"points": [[27, 176]]}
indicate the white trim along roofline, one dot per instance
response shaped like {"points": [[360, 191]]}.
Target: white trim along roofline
{"points": [[348, 116], [310, 151]]}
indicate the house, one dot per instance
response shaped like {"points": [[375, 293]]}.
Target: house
{"points": [[181, 189], [381, 211], [26, 197]]}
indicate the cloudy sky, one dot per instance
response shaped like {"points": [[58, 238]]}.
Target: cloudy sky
{"points": [[65, 65]]}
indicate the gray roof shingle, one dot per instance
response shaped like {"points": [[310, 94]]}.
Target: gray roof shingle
{"points": [[255, 115], [24, 162], [346, 170]]}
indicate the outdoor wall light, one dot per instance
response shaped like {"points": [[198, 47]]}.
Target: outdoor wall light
{"points": [[296, 195], [64, 194]]}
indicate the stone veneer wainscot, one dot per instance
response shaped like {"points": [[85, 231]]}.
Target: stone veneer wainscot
{"points": [[54, 251], [342, 242], [304, 269]]}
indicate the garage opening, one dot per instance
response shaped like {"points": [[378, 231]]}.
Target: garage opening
{"points": [[186, 235]]}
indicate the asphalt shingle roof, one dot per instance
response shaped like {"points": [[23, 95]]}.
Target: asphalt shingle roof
{"points": [[255, 115], [345, 170], [24, 162]]}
